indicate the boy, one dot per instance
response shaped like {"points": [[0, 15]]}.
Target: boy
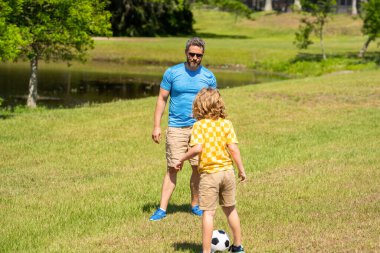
{"points": [[213, 139]]}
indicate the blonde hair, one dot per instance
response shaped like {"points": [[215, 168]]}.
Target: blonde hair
{"points": [[208, 104]]}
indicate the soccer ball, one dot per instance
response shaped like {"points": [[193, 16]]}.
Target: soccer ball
{"points": [[219, 241]]}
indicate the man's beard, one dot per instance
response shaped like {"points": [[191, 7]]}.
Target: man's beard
{"points": [[193, 64]]}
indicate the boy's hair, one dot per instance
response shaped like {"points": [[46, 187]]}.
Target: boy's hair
{"points": [[208, 104], [195, 41]]}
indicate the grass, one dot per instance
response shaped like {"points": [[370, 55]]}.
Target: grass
{"points": [[264, 43], [87, 179]]}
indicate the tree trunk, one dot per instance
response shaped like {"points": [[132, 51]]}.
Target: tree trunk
{"points": [[268, 5], [322, 42], [297, 5], [32, 97], [354, 11], [364, 48]]}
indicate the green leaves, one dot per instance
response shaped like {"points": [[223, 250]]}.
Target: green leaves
{"points": [[371, 19], [51, 29], [302, 40], [319, 11]]}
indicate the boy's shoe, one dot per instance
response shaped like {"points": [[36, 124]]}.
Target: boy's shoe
{"points": [[159, 214], [196, 211], [235, 249]]}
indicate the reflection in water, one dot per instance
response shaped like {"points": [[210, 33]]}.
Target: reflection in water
{"points": [[70, 87]]}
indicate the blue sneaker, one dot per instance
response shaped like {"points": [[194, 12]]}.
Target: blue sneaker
{"points": [[196, 211], [159, 214]]}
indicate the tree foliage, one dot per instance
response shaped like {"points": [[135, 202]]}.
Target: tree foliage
{"points": [[371, 22], [49, 30], [319, 11], [151, 18]]}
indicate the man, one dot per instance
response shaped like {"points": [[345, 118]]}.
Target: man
{"points": [[181, 82]]}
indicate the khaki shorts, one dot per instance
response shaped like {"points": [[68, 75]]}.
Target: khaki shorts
{"points": [[219, 185], [177, 144]]}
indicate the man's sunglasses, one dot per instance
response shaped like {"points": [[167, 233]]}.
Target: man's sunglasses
{"points": [[194, 54]]}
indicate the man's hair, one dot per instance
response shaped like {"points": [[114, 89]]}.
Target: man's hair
{"points": [[208, 104], [195, 41]]}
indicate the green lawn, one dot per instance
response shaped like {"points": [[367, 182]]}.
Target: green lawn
{"points": [[264, 44], [87, 179]]}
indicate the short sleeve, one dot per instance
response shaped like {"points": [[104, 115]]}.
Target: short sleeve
{"points": [[213, 82], [196, 135], [231, 136], [166, 82]]}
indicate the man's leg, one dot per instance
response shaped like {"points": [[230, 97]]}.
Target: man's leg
{"points": [[234, 222], [168, 186], [194, 186]]}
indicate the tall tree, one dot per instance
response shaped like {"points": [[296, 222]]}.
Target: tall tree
{"points": [[319, 11], [49, 30], [354, 9], [371, 23], [297, 5], [268, 5], [151, 18]]}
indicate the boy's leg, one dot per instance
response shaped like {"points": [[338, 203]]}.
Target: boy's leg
{"points": [[168, 186], [207, 227], [234, 222], [194, 186]]}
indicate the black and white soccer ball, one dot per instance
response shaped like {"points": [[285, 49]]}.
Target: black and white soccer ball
{"points": [[219, 241]]}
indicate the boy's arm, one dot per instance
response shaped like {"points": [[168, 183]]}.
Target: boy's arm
{"points": [[235, 153], [193, 151]]}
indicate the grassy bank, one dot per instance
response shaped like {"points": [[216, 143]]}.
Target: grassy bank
{"points": [[87, 179], [264, 43]]}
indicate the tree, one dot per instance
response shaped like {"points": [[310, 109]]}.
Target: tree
{"points": [[47, 30], [268, 5], [319, 11], [297, 5], [151, 18], [371, 23], [354, 10]]}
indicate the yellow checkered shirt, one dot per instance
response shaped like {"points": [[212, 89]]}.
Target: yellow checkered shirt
{"points": [[213, 135]]}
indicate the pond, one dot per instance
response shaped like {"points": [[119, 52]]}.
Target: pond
{"points": [[97, 82]]}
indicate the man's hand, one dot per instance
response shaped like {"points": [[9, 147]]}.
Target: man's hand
{"points": [[156, 134]]}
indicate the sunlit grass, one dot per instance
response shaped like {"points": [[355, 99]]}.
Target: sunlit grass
{"points": [[87, 179], [264, 43]]}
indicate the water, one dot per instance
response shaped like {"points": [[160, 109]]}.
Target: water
{"points": [[63, 86]]}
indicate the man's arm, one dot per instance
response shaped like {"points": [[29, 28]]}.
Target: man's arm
{"points": [[158, 112]]}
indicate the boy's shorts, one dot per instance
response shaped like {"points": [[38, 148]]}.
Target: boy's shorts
{"points": [[219, 185], [177, 144]]}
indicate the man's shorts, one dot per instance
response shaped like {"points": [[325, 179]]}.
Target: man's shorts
{"points": [[219, 185], [177, 144]]}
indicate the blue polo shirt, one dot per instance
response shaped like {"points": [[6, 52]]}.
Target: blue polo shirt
{"points": [[183, 85]]}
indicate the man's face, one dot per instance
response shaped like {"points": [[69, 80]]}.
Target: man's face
{"points": [[194, 57]]}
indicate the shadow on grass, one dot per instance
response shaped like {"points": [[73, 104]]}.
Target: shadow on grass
{"points": [[220, 36], [185, 246], [5, 116], [308, 57], [172, 208]]}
